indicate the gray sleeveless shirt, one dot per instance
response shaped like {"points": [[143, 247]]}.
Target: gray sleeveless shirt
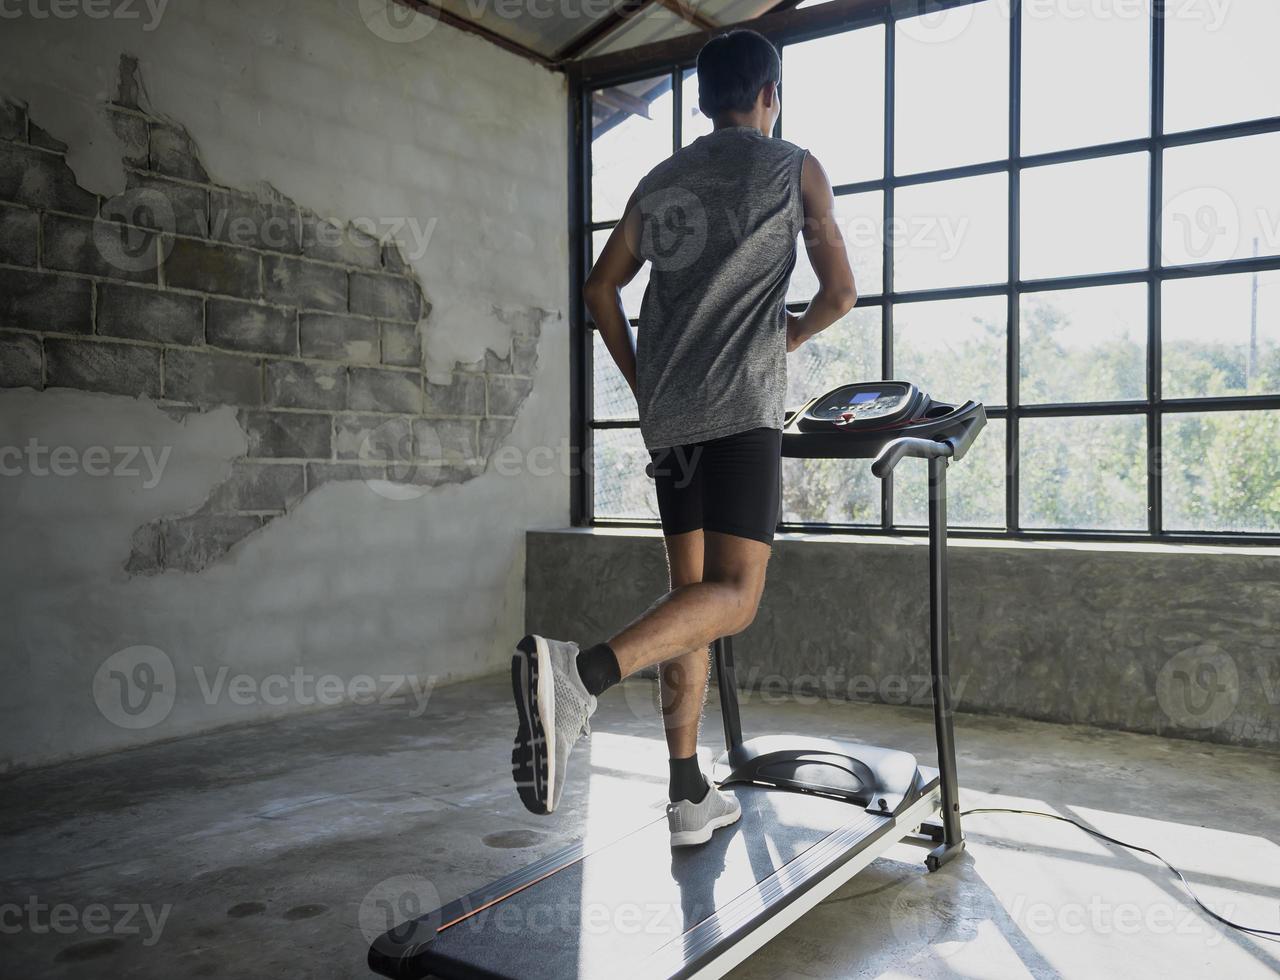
{"points": [[719, 222]]}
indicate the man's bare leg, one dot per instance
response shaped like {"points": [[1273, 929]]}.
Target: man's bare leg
{"points": [[683, 679], [690, 616]]}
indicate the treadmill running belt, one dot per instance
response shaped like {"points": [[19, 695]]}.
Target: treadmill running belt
{"points": [[603, 915]]}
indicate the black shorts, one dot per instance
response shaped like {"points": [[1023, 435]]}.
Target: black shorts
{"points": [[728, 485]]}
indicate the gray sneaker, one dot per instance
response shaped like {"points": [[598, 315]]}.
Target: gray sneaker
{"points": [[553, 708], [694, 823]]}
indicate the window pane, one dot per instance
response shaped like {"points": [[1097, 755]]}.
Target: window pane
{"points": [[975, 485], [633, 292], [1217, 474], [1221, 335], [631, 133], [692, 122], [1085, 74], [833, 102], [1083, 345], [953, 349], [1220, 200], [611, 394], [952, 233], [622, 488], [861, 220], [1083, 473], [1089, 216], [830, 491], [952, 88], [1220, 63], [845, 352]]}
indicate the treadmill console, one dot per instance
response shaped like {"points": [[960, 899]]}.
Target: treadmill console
{"points": [[871, 404]]}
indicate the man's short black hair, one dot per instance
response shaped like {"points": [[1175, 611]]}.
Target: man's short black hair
{"points": [[732, 68]]}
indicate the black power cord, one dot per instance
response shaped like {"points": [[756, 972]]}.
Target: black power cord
{"points": [[1271, 935]]}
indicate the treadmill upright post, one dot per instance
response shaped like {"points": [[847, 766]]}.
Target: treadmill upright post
{"points": [[939, 624], [727, 685]]}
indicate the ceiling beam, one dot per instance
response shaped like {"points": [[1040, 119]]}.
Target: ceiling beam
{"points": [[684, 49], [689, 14], [601, 29], [436, 12]]}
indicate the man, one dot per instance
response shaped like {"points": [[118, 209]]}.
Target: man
{"points": [[718, 220]]}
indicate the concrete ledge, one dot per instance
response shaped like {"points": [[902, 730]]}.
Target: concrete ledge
{"points": [[1177, 640]]}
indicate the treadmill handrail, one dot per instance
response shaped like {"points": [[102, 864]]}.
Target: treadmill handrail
{"points": [[953, 447]]}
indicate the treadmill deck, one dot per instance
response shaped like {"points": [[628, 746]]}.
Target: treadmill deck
{"points": [[636, 906]]}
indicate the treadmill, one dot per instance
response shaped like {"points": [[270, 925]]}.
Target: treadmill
{"points": [[815, 811]]}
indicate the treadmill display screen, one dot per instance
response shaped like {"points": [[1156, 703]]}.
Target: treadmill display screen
{"points": [[862, 405]]}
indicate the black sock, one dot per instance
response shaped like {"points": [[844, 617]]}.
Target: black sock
{"points": [[687, 781], [598, 668]]}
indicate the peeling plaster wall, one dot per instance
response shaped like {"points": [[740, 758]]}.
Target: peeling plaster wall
{"points": [[451, 146]]}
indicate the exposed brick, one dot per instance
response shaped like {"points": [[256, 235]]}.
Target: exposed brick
{"points": [[524, 355], [44, 301], [37, 136], [258, 486], [304, 284], [374, 438], [129, 87], [250, 223], [210, 378], [507, 394], [318, 474], [384, 390], [150, 314], [464, 395], [18, 235], [145, 555], [13, 121], [301, 384], [193, 543], [96, 247], [116, 368], [493, 432], [389, 297], [344, 244], [20, 361], [174, 154], [393, 260], [41, 180], [251, 327], [338, 338], [288, 435], [211, 268], [131, 130], [187, 211], [446, 440], [401, 345]]}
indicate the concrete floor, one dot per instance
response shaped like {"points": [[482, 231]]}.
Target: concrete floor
{"points": [[276, 850]]}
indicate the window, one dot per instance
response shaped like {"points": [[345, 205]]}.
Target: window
{"points": [[1038, 218]]}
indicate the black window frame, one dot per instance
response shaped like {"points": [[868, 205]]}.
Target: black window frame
{"points": [[1154, 407]]}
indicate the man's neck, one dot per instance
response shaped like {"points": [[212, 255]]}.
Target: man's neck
{"points": [[739, 122]]}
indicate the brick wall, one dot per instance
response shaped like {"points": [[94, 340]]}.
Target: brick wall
{"points": [[198, 295]]}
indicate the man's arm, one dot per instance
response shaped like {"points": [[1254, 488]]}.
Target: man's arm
{"points": [[825, 245], [616, 266]]}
